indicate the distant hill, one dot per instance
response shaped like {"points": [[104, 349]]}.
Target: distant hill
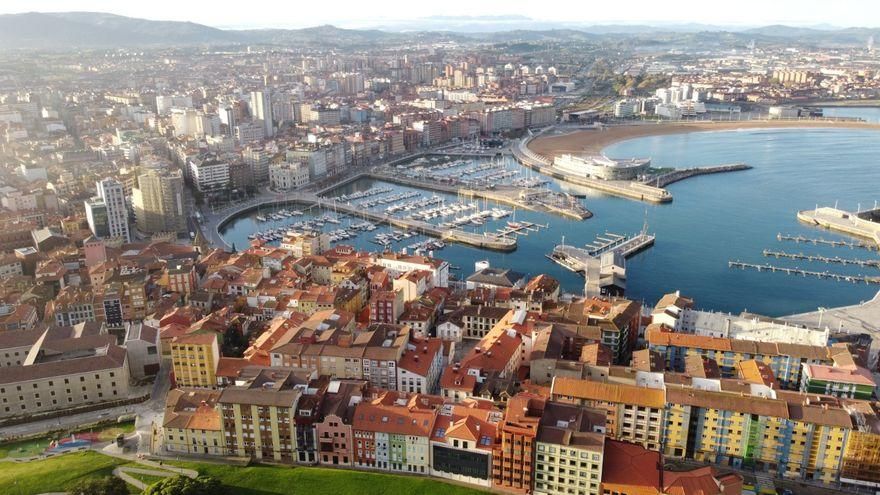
{"points": [[91, 29], [64, 30]]}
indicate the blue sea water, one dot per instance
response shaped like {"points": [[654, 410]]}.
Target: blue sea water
{"points": [[713, 219]]}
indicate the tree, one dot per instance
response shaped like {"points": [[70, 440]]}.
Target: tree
{"points": [[181, 485], [109, 485], [234, 343]]}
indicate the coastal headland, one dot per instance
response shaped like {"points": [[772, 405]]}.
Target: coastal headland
{"points": [[593, 141]]}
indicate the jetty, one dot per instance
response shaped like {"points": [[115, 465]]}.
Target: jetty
{"points": [[578, 259], [823, 259], [602, 262], [627, 246], [664, 180], [826, 242], [805, 273]]}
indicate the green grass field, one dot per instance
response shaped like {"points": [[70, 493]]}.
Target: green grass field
{"points": [[59, 473], [55, 474], [271, 480]]}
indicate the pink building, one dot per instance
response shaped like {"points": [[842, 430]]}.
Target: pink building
{"points": [[334, 434]]}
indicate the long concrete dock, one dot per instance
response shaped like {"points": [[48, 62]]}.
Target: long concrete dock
{"points": [[864, 224], [681, 174]]}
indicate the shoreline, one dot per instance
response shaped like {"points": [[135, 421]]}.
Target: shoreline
{"points": [[595, 141]]}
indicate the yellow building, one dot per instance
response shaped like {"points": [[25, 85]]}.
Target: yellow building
{"points": [[787, 435], [194, 360], [861, 456], [191, 424]]}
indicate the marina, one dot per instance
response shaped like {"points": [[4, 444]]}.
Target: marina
{"points": [[804, 273], [696, 227]]}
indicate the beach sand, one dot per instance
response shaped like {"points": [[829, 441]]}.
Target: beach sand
{"points": [[592, 142]]}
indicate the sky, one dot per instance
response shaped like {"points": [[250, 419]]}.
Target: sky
{"points": [[359, 13]]}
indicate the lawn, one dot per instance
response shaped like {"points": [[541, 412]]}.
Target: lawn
{"points": [[271, 480], [55, 474], [58, 473], [36, 446]]}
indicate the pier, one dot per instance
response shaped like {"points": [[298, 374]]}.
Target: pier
{"points": [[627, 246], [664, 180], [827, 242], [805, 273], [823, 259], [578, 259]]}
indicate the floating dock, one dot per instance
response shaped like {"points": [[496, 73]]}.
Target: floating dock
{"points": [[826, 242], [823, 259], [805, 273]]}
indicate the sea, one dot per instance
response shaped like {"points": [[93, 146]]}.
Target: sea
{"points": [[712, 220]]}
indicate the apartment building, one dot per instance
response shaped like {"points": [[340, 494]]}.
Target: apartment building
{"points": [[258, 413], [632, 414], [372, 355], [333, 431], [784, 359], [192, 423], [419, 368], [393, 431], [514, 450], [194, 359], [569, 449]]}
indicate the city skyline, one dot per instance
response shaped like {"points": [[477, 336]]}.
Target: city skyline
{"points": [[396, 14]]}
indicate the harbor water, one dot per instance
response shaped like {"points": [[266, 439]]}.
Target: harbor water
{"points": [[712, 220]]}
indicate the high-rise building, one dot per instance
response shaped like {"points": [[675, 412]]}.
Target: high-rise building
{"points": [[158, 202], [106, 213], [261, 109]]}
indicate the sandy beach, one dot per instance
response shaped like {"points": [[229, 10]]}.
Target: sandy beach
{"points": [[594, 141]]}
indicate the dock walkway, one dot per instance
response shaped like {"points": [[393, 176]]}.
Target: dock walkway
{"points": [[805, 273]]}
